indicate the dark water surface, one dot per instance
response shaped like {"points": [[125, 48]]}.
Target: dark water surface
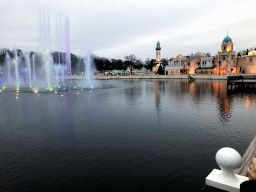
{"points": [[135, 136]]}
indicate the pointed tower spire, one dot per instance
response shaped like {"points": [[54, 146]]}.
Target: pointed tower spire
{"points": [[227, 32]]}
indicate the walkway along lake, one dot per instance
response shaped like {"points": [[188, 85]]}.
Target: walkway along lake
{"points": [[143, 135]]}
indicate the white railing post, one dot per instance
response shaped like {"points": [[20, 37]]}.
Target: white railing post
{"points": [[228, 160]]}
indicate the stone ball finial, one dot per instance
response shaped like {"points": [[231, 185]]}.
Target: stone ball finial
{"points": [[228, 160]]}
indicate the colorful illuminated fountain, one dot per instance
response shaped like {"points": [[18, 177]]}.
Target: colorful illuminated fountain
{"points": [[37, 72]]}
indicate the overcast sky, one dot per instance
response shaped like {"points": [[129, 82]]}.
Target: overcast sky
{"points": [[116, 28]]}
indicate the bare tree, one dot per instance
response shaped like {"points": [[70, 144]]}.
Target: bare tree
{"points": [[131, 59], [147, 61], [208, 54]]}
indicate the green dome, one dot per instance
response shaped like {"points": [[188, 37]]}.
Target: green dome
{"points": [[227, 39], [158, 43]]}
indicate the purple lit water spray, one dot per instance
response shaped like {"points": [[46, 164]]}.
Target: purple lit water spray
{"points": [[16, 69], [7, 59], [27, 58], [67, 35], [48, 73], [34, 68], [87, 62]]}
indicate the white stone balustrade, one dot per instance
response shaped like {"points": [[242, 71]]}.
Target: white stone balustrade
{"points": [[228, 160]]}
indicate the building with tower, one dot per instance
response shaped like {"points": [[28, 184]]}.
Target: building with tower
{"points": [[226, 62], [226, 56], [158, 57], [174, 65]]}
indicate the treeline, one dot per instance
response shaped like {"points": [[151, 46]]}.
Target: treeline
{"points": [[100, 63], [130, 61], [78, 62]]}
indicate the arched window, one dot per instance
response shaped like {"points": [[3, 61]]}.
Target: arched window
{"points": [[224, 48]]}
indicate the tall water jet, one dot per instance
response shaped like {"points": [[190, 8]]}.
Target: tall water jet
{"points": [[88, 69], [58, 46], [68, 58], [34, 68], [28, 65], [7, 62], [24, 69], [47, 65], [62, 74], [57, 67], [16, 63]]}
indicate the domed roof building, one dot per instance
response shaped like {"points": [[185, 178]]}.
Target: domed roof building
{"points": [[227, 44], [172, 57], [252, 53], [179, 56], [199, 54], [227, 39], [226, 56]]}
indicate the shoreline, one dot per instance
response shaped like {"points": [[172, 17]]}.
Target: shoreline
{"points": [[195, 76]]}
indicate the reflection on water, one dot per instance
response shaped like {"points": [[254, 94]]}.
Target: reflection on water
{"points": [[157, 87], [198, 91], [224, 100], [135, 134]]}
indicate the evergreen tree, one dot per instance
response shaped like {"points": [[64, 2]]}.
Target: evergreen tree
{"points": [[160, 70]]}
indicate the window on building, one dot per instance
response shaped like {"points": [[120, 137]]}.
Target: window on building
{"points": [[223, 58], [188, 63], [251, 59], [224, 48]]}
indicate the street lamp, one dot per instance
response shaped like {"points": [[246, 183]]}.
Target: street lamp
{"points": [[219, 67]]}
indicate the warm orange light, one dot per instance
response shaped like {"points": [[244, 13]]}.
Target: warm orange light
{"points": [[228, 48], [252, 69], [192, 71]]}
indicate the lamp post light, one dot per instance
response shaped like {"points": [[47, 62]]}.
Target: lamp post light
{"points": [[219, 67]]}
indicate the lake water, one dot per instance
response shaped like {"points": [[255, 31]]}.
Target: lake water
{"points": [[151, 135]]}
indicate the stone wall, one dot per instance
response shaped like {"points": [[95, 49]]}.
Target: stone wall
{"points": [[196, 76], [248, 64]]}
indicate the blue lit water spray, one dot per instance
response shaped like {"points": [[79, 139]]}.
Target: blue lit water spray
{"points": [[88, 69]]}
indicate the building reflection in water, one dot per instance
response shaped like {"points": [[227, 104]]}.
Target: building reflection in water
{"points": [[133, 93], [201, 94], [158, 95], [198, 91], [223, 99], [159, 87]]}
